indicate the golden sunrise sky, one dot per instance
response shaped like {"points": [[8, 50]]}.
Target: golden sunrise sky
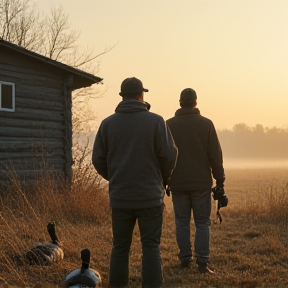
{"points": [[234, 53]]}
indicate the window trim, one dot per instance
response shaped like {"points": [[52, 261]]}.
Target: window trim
{"points": [[13, 96]]}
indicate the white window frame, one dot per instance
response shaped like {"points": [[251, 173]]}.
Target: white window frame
{"points": [[13, 96]]}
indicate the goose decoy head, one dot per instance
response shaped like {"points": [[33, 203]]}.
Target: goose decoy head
{"points": [[84, 277]]}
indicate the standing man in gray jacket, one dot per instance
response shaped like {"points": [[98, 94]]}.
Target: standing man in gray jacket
{"points": [[199, 155], [135, 152]]}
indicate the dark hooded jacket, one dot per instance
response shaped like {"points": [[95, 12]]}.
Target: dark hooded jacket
{"points": [[199, 151], [135, 152]]}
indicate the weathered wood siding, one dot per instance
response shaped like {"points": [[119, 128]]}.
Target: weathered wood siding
{"points": [[38, 135]]}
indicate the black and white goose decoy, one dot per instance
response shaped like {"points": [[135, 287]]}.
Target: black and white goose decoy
{"points": [[84, 277], [48, 252]]}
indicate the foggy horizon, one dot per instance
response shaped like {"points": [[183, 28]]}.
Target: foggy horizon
{"points": [[246, 149], [239, 163]]}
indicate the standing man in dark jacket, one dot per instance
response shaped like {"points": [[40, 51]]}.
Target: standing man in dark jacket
{"points": [[135, 152], [199, 155]]}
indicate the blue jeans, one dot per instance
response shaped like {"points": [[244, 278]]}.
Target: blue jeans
{"points": [[199, 202], [150, 226]]}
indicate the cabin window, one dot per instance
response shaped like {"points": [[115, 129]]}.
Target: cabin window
{"points": [[7, 96]]}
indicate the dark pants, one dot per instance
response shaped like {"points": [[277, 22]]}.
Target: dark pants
{"points": [[150, 227]]}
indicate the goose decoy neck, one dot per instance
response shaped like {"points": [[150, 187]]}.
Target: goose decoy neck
{"points": [[52, 232], [85, 257]]}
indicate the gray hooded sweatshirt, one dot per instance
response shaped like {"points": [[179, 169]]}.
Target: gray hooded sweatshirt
{"points": [[135, 152]]}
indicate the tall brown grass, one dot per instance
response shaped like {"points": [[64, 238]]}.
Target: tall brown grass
{"points": [[263, 198], [25, 212], [248, 249]]}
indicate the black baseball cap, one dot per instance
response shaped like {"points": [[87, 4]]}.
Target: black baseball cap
{"points": [[132, 85], [188, 96]]}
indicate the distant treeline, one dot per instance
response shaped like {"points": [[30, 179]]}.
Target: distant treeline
{"points": [[256, 142]]}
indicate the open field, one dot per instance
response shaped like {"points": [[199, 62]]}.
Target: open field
{"points": [[249, 249]]}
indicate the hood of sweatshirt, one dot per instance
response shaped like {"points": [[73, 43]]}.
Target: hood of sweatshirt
{"points": [[185, 111], [132, 106]]}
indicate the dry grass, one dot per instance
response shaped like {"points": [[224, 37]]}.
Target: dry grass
{"points": [[249, 248]]}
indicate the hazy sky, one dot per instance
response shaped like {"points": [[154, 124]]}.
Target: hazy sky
{"points": [[234, 53]]}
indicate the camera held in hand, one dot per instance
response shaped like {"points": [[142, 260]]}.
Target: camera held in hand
{"points": [[219, 194]]}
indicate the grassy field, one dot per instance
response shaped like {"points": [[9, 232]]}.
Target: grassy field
{"points": [[249, 249]]}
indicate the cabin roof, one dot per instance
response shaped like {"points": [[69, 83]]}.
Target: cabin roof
{"points": [[81, 78]]}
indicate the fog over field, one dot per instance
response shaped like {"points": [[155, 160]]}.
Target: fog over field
{"points": [[243, 163], [247, 146]]}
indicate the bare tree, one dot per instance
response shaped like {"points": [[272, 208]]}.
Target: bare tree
{"points": [[60, 38], [53, 37], [20, 24]]}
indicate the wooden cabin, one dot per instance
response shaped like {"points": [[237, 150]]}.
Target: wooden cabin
{"points": [[35, 113]]}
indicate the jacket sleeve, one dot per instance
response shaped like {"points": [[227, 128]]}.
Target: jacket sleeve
{"points": [[216, 157], [99, 154], [167, 151]]}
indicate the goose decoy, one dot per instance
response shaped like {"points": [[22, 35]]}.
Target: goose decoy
{"points": [[48, 252], [84, 277]]}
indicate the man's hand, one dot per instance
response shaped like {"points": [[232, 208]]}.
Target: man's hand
{"points": [[219, 194]]}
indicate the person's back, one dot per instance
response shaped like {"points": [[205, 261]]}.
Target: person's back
{"points": [[135, 152], [136, 166], [199, 155], [196, 139]]}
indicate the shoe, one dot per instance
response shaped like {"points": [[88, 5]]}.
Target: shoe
{"points": [[185, 262], [203, 268]]}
